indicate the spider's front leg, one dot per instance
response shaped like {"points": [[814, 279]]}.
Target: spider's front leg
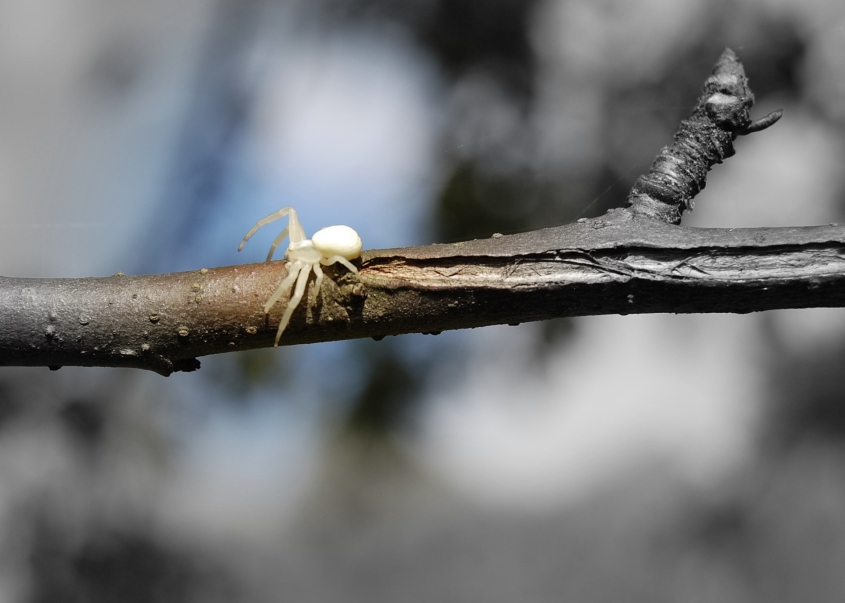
{"points": [[294, 228], [301, 281], [294, 268]]}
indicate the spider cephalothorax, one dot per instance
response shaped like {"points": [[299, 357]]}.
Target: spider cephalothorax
{"points": [[333, 244]]}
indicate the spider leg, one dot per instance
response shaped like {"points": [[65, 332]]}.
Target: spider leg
{"points": [[297, 233], [339, 259], [271, 218], [276, 242], [293, 271], [294, 301], [319, 272]]}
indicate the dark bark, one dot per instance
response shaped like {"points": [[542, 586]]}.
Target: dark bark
{"points": [[703, 140], [628, 261]]}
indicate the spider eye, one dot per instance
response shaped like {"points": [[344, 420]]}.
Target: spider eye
{"points": [[337, 240]]}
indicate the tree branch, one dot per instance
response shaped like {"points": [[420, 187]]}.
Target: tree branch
{"points": [[706, 138], [629, 261]]}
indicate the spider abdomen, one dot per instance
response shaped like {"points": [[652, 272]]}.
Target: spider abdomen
{"points": [[337, 240]]}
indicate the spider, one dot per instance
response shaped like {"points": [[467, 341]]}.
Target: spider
{"points": [[328, 246]]}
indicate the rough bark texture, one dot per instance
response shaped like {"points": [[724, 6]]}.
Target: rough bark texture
{"points": [[616, 264], [678, 173], [628, 261]]}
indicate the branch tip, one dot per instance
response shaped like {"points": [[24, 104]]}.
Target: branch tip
{"points": [[704, 139], [762, 123]]}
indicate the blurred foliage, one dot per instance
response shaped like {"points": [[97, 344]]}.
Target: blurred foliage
{"points": [[473, 206], [11, 404], [391, 388], [239, 374], [463, 35], [553, 333], [809, 392], [85, 420], [483, 34], [106, 568]]}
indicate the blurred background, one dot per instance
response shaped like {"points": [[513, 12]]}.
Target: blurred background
{"points": [[641, 458]]}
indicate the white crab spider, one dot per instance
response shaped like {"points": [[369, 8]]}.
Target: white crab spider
{"points": [[328, 246]]}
